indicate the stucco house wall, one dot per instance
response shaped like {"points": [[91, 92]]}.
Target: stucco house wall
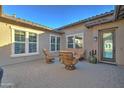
{"points": [[74, 30], [90, 33], [6, 45], [119, 31], [44, 37]]}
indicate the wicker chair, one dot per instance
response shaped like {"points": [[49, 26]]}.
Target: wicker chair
{"points": [[48, 57], [68, 60]]}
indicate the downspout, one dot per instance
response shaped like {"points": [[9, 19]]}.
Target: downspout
{"points": [[116, 12]]}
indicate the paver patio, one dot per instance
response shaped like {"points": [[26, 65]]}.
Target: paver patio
{"points": [[42, 75]]}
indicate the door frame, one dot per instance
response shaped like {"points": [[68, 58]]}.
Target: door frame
{"points": [[100, 43]]}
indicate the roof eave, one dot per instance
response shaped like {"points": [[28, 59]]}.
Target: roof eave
{"points": [[86, 20], [23, 22]]}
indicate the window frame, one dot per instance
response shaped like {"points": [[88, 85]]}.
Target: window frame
{"points": [[32, 43], [58, 43], [55, 42], [73, 35], [27, 31], [68, 40], [20, 42]]}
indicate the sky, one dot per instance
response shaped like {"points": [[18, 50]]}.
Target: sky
{"points": [[55, 16]]}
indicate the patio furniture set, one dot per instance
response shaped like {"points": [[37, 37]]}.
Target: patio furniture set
{"points": [[68, 57]]}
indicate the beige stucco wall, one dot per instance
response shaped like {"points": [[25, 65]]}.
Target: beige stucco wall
{"points": [[89, 43], [6, 43], [119, 39], [78, 29], [90, 33]]}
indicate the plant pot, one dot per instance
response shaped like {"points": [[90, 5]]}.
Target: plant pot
{"points": [[93, 59]]}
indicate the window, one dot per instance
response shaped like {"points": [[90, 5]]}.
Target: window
{"points": [[19, 42], [70, 42], [75, 41], [58, 43], [24, 43], [32, 42], [54, 43], [78, 41]]}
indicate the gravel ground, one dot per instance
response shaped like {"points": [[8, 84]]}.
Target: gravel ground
{"points": [[37, 74]]}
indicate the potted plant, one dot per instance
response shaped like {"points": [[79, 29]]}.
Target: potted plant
{"points": [[92, 57]]}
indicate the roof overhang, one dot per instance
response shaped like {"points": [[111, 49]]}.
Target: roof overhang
{"points": [[19, 22], [119, 12], [89, 22], [99, 21], [16, 21]]}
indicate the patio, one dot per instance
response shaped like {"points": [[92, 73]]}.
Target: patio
{"points": [[42, 75]]}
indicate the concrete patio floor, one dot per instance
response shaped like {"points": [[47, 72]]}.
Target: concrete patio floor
{"points": [[37, 74]]}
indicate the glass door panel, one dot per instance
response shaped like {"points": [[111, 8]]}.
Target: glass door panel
{"points": [[108, 46]]}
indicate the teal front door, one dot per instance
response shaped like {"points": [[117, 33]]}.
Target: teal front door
{"points": [[108, 46]]}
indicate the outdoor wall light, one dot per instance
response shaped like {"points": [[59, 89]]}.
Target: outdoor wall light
{"points": [[95, 38]]}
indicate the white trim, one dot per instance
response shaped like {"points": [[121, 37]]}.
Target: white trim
{"points": [[38, 43], [55, 42], [26, 44], [22, 55], [13, 41], [74, 39]]}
